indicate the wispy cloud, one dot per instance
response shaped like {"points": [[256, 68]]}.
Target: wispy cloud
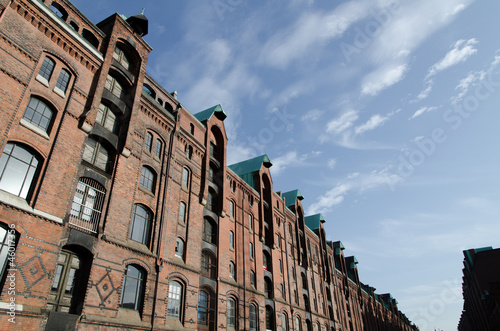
{"points": [[462, 50], [382, 78], [342, 123], [422, 110], [374, 122]]}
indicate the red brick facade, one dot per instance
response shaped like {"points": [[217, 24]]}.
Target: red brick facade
{"points": [[117, 209]]}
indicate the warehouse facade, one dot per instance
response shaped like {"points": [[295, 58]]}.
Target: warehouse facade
{"points": [[117, 208]]}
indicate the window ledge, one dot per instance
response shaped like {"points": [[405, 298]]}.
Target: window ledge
{"points": [[34, 128], [21, 204], [129, 244], [42, 80], [59, 92], [146, 191], [125, 316]]}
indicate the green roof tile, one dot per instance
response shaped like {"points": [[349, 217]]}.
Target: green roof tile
{"points": [[313, 221], [291, 197], [207, 113], [245, 169]]}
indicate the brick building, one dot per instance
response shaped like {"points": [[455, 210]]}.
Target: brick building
{"points": [[481, 290], [117, 208]]}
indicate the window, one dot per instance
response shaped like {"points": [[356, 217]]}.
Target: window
{"points": [[148, 142], [250, 222], [149, 91], [107, 118], [211, 201], [252, 278], [114, 87], [253, 317], [158, 148], [278, 241], [268, 288], [269, 318], [87, 205], [191, 128], [18, 170], [59, 10], [185, 177], [209, 233], [148, 178], [231, 269], [189, 152], [47, 68], [284, 322], [121, 58], [208, 264], [283, 293], [298, 325], [174, 307], [206, 309], [7, 240], [231, 313], [281, 266], [231, 209], [231, 239], [38, 113], [179, 248], [97, 155], [133, 288], [250, 250], [63, 80], [182, 212], [316, 327], [141, 224]]}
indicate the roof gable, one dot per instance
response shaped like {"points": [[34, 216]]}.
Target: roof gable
{"points": [[206, 114]]}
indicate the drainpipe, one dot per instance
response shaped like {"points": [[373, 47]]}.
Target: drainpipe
{"points": [[4, 10], [244, 276], [287, 267], [159, 250]]}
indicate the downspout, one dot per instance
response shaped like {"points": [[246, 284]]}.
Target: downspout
{"points": [[4, 10], [159, 250]]}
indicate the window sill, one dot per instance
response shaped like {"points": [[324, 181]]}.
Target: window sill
{"points": [[34, 128], [146, 190], [59, 92], [42, 80], [129, 244], [20, 203]]}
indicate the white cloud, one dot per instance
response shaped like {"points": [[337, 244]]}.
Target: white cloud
{"points": [[462, 50], [312, 115], [374, 122], [423, 110], [331, 198], [281, 162], [344, 122], [332, 163], [425, 92], [383, 78]]}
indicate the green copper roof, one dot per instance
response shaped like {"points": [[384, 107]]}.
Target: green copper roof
{"points": [[207, 113], [338, 247], [351, 261], [245, 169], [291, 197], [313, 222]]}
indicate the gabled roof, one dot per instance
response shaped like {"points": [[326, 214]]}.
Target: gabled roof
{"points": [[291, 197], [245, 169], [313, 221], [207, 113], [351, 261], [338, 246]]}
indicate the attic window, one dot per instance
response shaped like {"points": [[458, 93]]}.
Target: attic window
{"points": [[59, 10], [149, 91], [89, 36]]}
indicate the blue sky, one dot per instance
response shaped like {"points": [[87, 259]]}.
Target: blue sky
{"points": [[383, 113]]}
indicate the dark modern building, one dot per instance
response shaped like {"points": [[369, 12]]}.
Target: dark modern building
{"points": [[481, 290], [117, 208]]}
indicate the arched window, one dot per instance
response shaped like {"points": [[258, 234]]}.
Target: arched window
{"points": [[208, 264], [252, 278], [59, 10], [298, 324], [97, 155], [47, 68], [267, 262], [113, 86], [18, 169], [185, 177], [107, 118], [63, 80], [87, 204], [89, 36], [209, 231], [316, 326], [148, 178], [212, 201], [146, 88], [133, 288], [158, 148], [231, 239], [231, 314], [206, 309], [120, 56], [253, 318], [148, 141], [140, 227], [175, 294], [231, 209], [179, 248], [268, 288], [231, 270], [269, 318], [191, 128], [250, 250], [38, 113], [182, 212], [284, 322], [7, 239]]}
